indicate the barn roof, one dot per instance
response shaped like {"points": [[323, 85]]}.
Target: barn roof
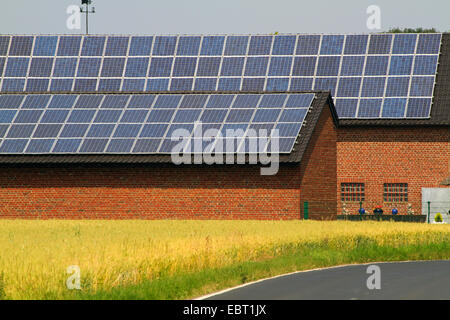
{"points": [[365, 80], [92, 128]]}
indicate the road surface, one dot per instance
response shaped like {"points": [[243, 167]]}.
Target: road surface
{"points": [[398, 280]]}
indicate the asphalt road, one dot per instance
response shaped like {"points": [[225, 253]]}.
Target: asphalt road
{"points": [[404, 280]]}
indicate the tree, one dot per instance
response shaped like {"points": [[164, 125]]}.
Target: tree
{"points": [[412, 30]]}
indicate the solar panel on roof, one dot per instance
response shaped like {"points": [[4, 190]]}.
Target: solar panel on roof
{"points": [[143, 123], [223, 63]]}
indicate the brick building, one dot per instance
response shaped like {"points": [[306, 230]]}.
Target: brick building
{"points": [[336, 158]]}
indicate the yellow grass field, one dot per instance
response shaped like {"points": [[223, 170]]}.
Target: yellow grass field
{"points": [[35, 255]]}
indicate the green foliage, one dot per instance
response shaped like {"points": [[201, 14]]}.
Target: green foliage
{"points": [[438, 217], [412, 30]]}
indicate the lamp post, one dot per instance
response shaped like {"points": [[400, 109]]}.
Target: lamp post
{"points": [[87, 11]]}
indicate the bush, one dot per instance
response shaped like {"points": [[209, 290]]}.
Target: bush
{"points": [[438, 217]]}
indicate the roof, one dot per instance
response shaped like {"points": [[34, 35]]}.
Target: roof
{"points": [[440, 110], [322, 99]]}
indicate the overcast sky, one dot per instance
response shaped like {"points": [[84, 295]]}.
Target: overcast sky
{"points": [[222, 17]]}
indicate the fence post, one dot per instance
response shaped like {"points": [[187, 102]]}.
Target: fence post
{"points": [[305, 210], [428, 215]]}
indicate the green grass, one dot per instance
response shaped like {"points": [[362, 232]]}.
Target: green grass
{"points": [[192, 285], [176, 259]]}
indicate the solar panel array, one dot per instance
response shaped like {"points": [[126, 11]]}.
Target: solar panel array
{"points": [[145, 123], [370, 76]]}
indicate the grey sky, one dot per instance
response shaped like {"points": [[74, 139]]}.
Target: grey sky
{"points": [[222, 17]]}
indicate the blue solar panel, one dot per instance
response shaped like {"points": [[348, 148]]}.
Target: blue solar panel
{"points": [[212, 45], [164, 46], [226, 63], [304, 66], [404, 44], [260, 45], [232, 66], [113, 67], [36, 101], [4, 45], [184, 84], [37, 85], [429, 44], [157, 84], [401, 65], [394, 107], [373, 87], [120, 145], [369, 108], [67, 145], [256, 66], [332, 44], [100, 130], [397, 87], [17, 67], [419, 107], [277, 84], [69, 46], [280, 66], [13, 145], [205, 84], [117, 46], [154, 130], [425, 65], [422, 86], [308, 44], [140, 46], [380, 43], [21, 46], [328, 66], [184, 67], [47, 130], [61, 85], [236, 45], [229, 84], [93, 46], [45, 46], [20, 131], [160, 67], [40, 146], [188, 46], [273, 101], [89, 67], [346, 108], [349, 87], [376, 65], [253, 84], [64, 67], [115, 101], [208, 66], [356, 44], [284, 45], [93, 145]]}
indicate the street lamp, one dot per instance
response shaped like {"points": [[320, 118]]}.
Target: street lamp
{"points": [[87, 11]]}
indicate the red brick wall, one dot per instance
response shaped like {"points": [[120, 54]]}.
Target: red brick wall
{"points": [[169, 191], [419, 156], [318, 170]]}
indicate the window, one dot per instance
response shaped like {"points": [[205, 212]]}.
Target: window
{"points": [[395, 192], [352, 192]]}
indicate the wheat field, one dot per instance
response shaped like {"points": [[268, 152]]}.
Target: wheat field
{"points": [[35, 255]]}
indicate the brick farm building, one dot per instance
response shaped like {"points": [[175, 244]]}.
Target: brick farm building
{"points": [[105, 159]]}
